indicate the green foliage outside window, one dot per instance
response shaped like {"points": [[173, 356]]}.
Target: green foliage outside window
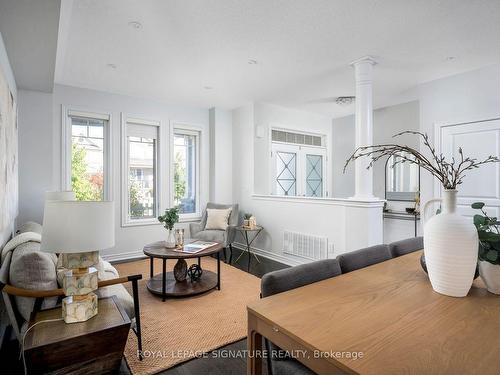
{"points": [[179, 178], [85, 186]]}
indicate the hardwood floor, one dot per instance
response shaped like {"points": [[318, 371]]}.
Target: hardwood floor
{"points": [[227, 360]]}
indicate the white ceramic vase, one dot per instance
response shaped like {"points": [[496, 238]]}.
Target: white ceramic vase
{"points": [[451, 248], [490, 273], [170, 242]]}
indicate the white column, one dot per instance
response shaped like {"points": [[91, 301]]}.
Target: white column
{"points": [[363, 69]]}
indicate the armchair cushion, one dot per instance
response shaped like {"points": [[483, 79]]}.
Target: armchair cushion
{"points": [[218, 219], [212, 235]]}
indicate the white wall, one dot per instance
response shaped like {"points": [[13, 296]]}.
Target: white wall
{"points": [[325, 217], [40, 143], [343, 147], [221, 156], [267, 116], [35, 153], [470, 96], [386, 122]]}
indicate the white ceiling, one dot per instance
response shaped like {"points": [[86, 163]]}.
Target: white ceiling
{"points": [[29, 29], [303, 48]]}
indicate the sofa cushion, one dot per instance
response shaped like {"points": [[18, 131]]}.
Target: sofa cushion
{"points": [[31, 268], [30, 226], [217, 219]]}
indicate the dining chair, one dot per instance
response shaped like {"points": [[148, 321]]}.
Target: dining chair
{"points": [[407, 246], [281, 281], [364, 257]]}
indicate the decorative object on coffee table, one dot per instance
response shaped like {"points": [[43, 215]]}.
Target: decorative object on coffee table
{"points": [[194, 272], [248, 242], [165, 283], [179, 238], [78, 230], [488, 229], [169, 218], [450, 240], [180, 270]]}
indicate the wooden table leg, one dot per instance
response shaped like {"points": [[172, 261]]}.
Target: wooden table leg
{"points": [[254, 346], [151, 267]]}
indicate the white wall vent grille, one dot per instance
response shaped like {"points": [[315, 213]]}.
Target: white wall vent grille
{"points": [[296, 138], [307, 246]]}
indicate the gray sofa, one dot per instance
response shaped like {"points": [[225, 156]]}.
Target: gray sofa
{"points": [[226, 238]]}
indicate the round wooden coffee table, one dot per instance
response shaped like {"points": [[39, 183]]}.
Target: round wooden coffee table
{"points": [[165, 283]]}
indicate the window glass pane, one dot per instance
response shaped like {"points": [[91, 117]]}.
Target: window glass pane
{"points": [[142, 178], [286, 173], [87, 158], [314, 176], [185, 172]]}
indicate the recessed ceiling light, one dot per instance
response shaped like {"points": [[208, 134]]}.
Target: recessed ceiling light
{"points": [[208, 87], [252, 62], [112, 66], [135, 25]]}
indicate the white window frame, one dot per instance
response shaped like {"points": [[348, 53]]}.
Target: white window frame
{"points": [[160, 167], [198, 133], [66, 143], [301, 152]]}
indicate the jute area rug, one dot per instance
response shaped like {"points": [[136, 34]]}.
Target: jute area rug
{"points": [[178, 330]]}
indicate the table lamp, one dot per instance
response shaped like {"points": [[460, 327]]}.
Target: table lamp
{"points": [[66, 195], [78, 230]]}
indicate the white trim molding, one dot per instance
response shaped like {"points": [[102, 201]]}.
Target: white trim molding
{"points": [[161, 169], [346, 202], [198, 132], [66, 143]]}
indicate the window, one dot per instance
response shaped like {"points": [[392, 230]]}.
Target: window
{"points": [[86, 155], [140, 177], [297, 168], [185, 165]]}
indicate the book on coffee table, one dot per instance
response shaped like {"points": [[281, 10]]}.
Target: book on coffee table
{"points": [[196, 247]]}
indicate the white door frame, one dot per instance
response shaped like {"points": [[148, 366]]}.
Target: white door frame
{"points": [[438, 142]]}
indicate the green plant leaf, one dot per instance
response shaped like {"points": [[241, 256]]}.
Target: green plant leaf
{"points": [[479, 220], [477, 205], [492, 255]]}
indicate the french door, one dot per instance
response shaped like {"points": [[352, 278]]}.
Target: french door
{"points": [[298, 170], [478, 140]]}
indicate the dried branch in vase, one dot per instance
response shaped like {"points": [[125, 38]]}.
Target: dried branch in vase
{"points": [[449, 173]]}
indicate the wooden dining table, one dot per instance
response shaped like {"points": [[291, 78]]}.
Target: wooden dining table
{"points": [[382, 319]]}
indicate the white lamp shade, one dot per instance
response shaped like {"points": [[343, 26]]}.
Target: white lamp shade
{"points": [[77, 226], [60, 196]]}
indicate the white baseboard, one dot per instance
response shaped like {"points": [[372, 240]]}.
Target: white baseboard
{"points": [[124, 256], [289, 260]]}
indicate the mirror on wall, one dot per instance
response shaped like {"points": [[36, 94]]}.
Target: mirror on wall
{"points": [[402, 178]]}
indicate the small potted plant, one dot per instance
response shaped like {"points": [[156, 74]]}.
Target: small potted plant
{"points": [[246, 220], [169, 218], [488, 229]]}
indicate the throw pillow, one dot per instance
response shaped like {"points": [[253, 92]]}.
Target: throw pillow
{"points": [[31, 268], [217, 219]]}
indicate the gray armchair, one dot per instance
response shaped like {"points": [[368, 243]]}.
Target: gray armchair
{"points": [[226, 238]]}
